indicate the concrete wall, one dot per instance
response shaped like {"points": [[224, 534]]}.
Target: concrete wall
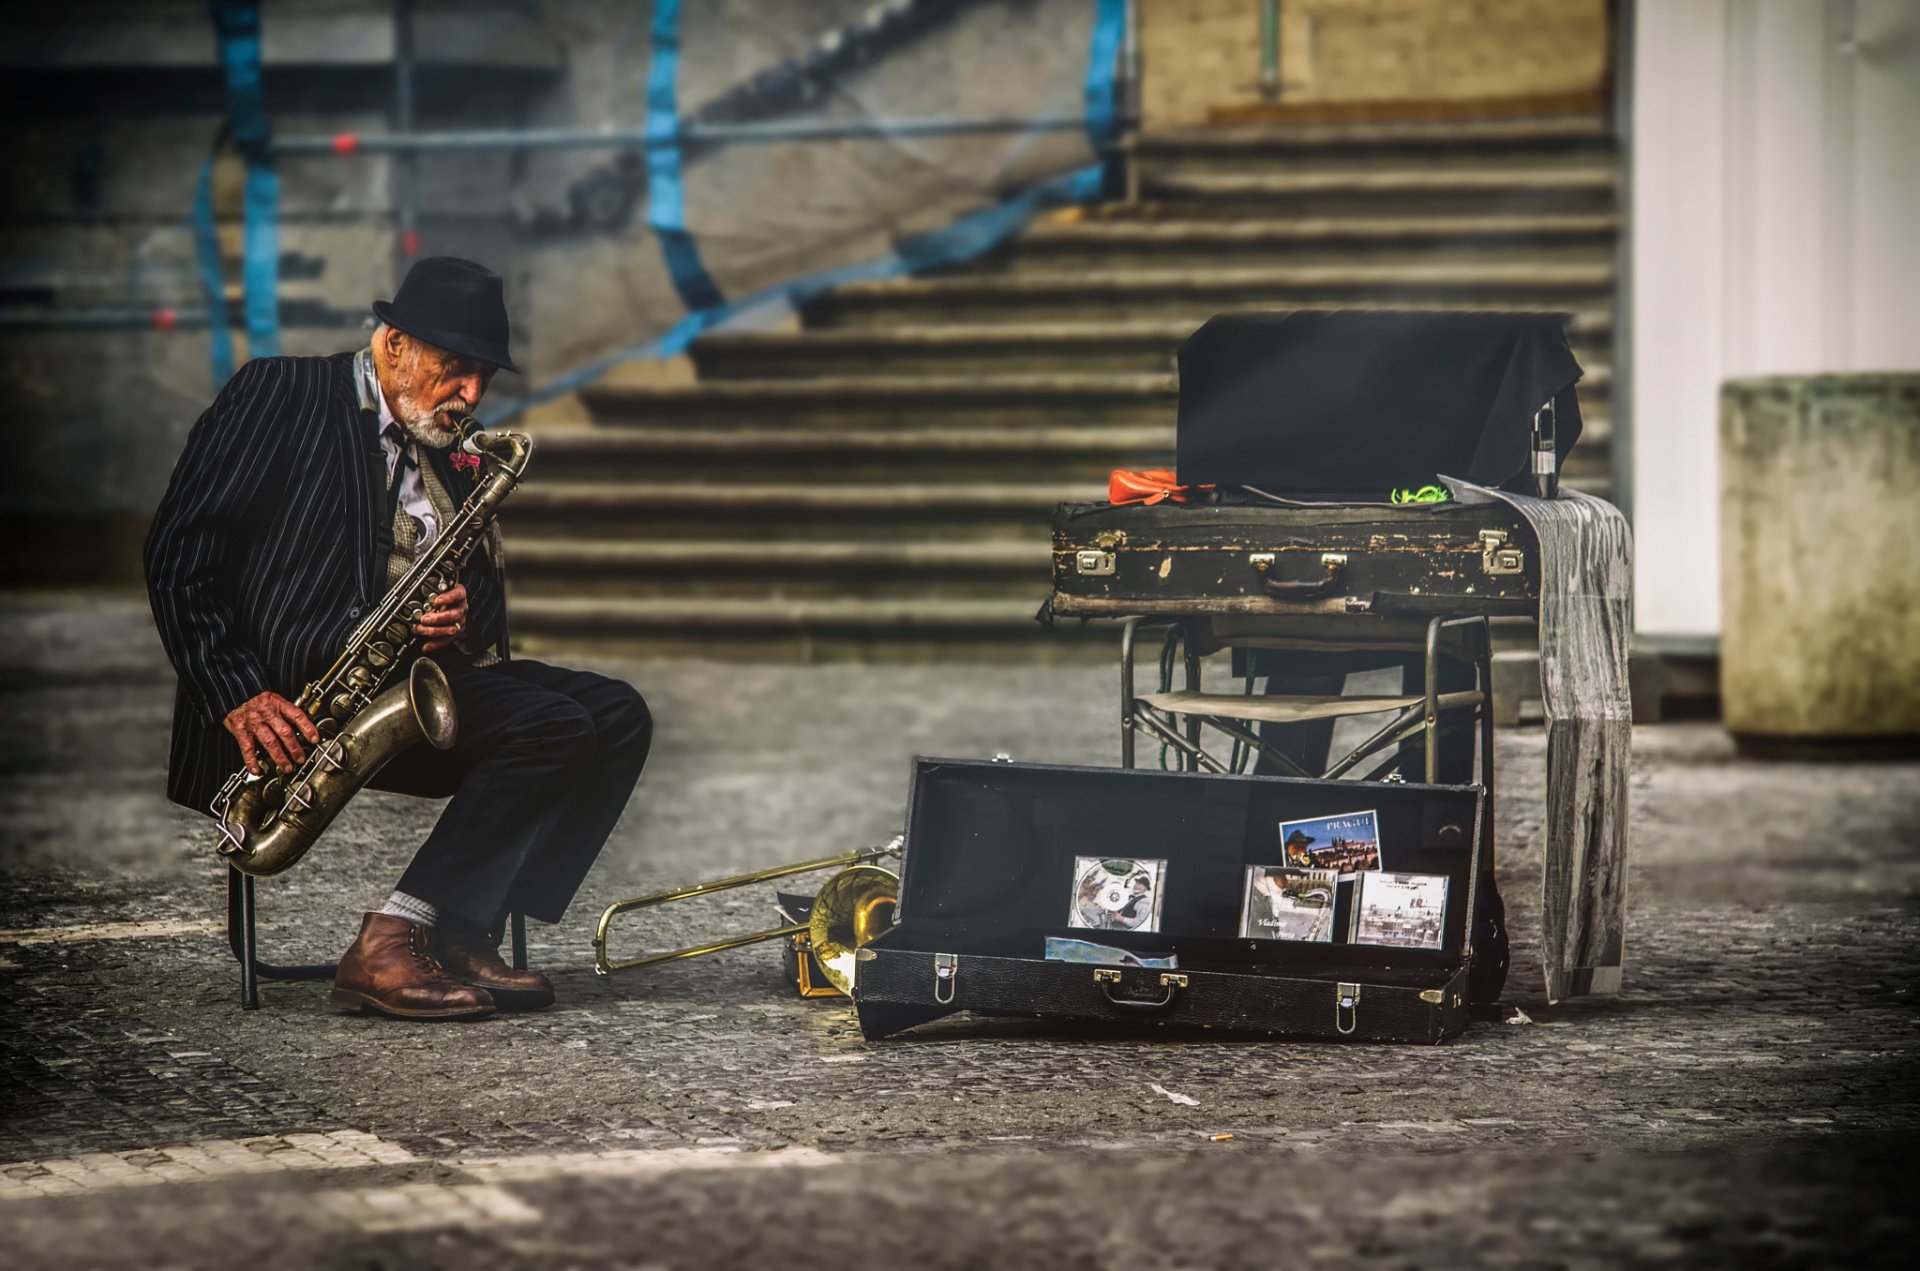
{"points": [[1202, 55], [96, 191], [1776, 178]]}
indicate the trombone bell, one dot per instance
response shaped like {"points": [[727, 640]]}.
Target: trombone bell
{"points": [[855, 906]]}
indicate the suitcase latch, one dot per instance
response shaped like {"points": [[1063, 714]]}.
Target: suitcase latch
{"points": [[1498, 560], [1094, 564], [1346, 1008], [946, 969]]}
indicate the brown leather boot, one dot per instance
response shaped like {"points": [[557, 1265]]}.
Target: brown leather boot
{"points": [[391, 969], [472, 957]]}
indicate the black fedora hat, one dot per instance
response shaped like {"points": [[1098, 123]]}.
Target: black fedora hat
{"points": [[453, 304]]}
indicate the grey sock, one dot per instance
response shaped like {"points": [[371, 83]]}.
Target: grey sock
{"points": [[412, 908]]}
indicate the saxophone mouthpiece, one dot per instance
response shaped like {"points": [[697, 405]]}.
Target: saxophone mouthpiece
{"points": [[470, 428]]}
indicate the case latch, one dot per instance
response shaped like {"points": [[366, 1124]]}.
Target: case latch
{"points": [[946, 969], [1346, 1008], [1498, 560], [1094, 564]]}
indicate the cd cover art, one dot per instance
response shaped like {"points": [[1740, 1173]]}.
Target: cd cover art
{"points": [[1347, 844], [1116, 893], [1287, 903], [1406, 910]]}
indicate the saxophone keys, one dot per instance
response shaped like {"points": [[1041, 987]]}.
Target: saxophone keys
{"points": [[332, 756], [398, 631], [360, 677], [341, 708], [379, 656], [327, 725]]}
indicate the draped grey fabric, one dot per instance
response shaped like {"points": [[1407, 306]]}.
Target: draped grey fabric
{"points": [[1586, 630]]}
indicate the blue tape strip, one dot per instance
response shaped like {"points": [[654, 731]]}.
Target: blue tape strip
{"points": [[666, 191], [972, 235], [260, 262], [206, 241], [237, 25], [1103, 60]]}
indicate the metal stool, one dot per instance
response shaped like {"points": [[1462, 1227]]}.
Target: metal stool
{"points": [[243, 939]]}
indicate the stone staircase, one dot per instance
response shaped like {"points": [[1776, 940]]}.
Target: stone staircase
{"points": [[879, 482]]}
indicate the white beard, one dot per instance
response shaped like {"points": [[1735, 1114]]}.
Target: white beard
{"points": [[423, 424]]}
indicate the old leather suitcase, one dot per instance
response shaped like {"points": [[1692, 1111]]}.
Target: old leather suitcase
{"points": [[1409, 560], [995, 853]]}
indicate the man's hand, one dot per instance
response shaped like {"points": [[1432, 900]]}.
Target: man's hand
{"points": [[444, 619], [270, 725]]}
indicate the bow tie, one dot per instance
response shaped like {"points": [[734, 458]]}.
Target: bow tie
{"points": [[398, 436]]}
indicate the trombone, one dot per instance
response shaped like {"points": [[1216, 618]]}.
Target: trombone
{"points": [[853, 906]]}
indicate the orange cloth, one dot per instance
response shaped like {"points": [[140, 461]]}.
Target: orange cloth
{"points": [[1152, 486]]}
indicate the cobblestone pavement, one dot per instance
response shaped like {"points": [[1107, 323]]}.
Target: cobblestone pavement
{"points": [[1749, 1101]]}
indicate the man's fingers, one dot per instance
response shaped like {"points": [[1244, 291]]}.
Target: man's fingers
{"points": [[301, 721], [288, 739], [248, 755], [270, 744], [452, 597]]}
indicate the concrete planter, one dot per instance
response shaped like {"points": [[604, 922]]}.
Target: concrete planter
{"points": [[1820, 561]]}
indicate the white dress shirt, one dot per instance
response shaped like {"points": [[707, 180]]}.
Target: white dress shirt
{"points": [[413, 495]]}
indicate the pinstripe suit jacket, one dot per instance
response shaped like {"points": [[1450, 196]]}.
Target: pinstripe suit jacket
{"points": [[268, 547]]}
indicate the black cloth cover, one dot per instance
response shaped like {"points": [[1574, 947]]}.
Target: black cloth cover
{"points": [[1360, 402]]}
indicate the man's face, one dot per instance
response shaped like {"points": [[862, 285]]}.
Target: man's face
{"points": [[431, 386]]}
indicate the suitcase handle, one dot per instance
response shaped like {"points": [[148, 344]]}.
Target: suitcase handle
{"points": [[1107, 978], [1332, 565]]}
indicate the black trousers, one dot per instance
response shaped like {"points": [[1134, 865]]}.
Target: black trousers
{"points": [[544, 764]]}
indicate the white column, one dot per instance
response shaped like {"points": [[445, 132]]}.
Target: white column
{"points": [[1776, 230]]}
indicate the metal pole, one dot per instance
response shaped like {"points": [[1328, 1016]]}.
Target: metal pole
{"points": [[1270, 49], [696, 134], [1130, 63], [1127, 636], [406, 168]]}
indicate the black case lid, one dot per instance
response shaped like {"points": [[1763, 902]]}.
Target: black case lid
{"points": [[1314, 401]]}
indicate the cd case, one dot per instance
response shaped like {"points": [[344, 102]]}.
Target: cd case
{"points": [[1408, 911], [1284, 902], [1116, 893]]}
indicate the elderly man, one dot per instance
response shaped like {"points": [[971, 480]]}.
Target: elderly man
{"points": [[308, 486]]}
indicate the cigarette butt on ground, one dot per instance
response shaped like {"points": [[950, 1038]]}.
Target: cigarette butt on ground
{"points": [[1219, 1138]]}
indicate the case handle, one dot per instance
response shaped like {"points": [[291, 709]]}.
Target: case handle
{"points": [[1170, 982], [1332, 566]]}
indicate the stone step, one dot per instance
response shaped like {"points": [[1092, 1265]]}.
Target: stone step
{"points": [[1504, 189], [808, 629], [1151, 242], [968, 452], [1192, 296], [1015, 568], [914, 401], [996, 348], [804, 511], [1244, 145]]}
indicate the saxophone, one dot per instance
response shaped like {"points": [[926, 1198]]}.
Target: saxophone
{"points": [[268, 822]]}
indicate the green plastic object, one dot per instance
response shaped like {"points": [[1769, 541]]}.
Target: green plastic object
{"points": [[1425, 494]]}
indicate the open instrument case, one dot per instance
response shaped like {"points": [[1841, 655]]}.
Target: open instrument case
{"points": [[990, 873]]}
